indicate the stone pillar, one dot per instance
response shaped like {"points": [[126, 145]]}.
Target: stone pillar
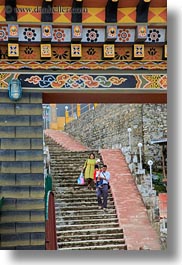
{"points": [[22, 219]]}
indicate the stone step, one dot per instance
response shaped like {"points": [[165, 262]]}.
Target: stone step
{"points": [[79, 207], [93, 231], [66, 184], [64, 238], [61, 221], [73, 199], [61, 212], [76, 169], [71, 178], [85, 226], [105, 247], [76, 189], [59, 175], [70, 154], [78, 197], [72, 160], [79, 222], [86, 216], [92, 243], [81, 204]]}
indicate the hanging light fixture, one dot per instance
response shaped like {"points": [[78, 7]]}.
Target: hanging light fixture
{"points": [[15, 89]]}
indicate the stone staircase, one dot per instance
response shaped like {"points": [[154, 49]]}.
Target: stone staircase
{"points": [[80, 224]]}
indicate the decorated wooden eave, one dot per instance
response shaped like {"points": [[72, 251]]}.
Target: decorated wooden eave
{"points": [[92, 11], [87, 40]]}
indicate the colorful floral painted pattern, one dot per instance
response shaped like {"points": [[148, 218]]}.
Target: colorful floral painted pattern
{"points": [[76, 81], [28, 52], [60, 53], [85, 81], [29, 34], [3, 33], [59, 35], [92, 35], [97, 81], [123, 53], [156, 35], [153, 53]]}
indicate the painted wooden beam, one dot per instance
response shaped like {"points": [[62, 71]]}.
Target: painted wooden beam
{"points": [[128, 98]]}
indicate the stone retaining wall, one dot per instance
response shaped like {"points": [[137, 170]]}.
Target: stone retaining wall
{"points": [[106, 127]]}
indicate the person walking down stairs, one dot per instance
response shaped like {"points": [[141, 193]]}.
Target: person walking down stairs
{"points": [[102, 190], [88, 170]]}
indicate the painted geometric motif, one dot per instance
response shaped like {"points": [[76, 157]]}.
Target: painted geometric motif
{"points": [[2, 13], [92, 53], [46, 32], [13, 32], [93, 35], [61, 53], [3, 33], [123, 53], [28, 12], [111, 33], [29, 34], [155, 35], [45, 50], [29, 53], [157, 15], [109, 51], [93, 14], [126, 15], [3, 79], [155, 81], [61, 35], [141, 33], [13, 49], [76, 50], [153, 53], [80, 65], [76, 32], [138, 50], [126, 35]]}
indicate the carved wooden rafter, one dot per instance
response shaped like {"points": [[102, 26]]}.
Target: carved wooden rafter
{"points": [[76, 16], [111, 11], [142, 11], [46, 15], [10, 10]]}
